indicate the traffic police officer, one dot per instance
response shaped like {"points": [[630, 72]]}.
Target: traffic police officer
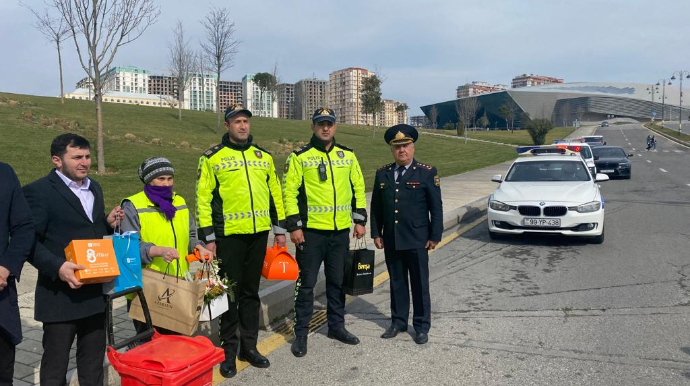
{"points": [[324, 193], [407, 221], [238, 200]]}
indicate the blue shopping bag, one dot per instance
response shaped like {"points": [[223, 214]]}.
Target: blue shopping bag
{"points": [[126, 247]]}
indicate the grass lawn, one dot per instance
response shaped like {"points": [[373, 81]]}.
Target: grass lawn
{"points": [[669, 132], [516, 137], [28, 124]]}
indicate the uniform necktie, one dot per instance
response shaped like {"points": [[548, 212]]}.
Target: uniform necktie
{"points": [[400, 171]]}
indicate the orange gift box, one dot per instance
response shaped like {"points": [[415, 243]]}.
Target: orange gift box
{"points": [[279, 264], [98, 258]]}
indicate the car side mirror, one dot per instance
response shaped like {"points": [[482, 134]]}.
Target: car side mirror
{"points": [[497, 178], [596, 157], [601, 177], [604, 143], [631, 155]]}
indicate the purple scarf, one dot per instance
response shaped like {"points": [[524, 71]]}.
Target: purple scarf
{"points": [[162, 197]]}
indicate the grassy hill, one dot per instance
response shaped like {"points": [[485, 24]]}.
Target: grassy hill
{"points": [[28, 124]]}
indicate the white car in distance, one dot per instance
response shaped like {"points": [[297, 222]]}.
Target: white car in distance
{"points": [[548, 190]]}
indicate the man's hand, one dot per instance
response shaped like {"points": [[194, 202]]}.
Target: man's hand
{"points": [[378, 242], [4, 274], [431, 244], [66, 274], [169, 254], [115, 216], [211, 247], [297, 237], [359, 231], [280, 240], [205, 254]]}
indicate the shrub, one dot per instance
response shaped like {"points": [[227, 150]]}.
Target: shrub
{"points": [[537, 129]]}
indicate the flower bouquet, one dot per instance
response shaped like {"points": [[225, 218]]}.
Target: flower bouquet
{"points": [[218, 290]]}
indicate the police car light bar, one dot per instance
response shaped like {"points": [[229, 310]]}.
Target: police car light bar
{"points": [[548, 150]]}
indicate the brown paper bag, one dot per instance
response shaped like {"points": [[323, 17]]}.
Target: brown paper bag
{"points": [[173, 302]]}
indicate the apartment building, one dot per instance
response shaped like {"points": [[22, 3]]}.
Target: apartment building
{"points": [[478, 88], [344, 95], [201, 93], [85, 83], [286, 100], [163, 85], [230, 93], [261, 104], [391, 113], [419, 121], [310, 94], [530, 80], [127, 79]]}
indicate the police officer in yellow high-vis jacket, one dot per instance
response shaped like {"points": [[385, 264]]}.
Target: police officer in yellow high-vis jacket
{"points": [[324, 194], [163, 221], [239, 200]]}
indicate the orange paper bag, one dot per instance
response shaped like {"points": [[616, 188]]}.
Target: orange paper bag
{"points": [[279, 264], [98, 258]]}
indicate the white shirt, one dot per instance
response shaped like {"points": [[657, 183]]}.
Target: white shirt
{"points": [[82, 192], [397, 170]]}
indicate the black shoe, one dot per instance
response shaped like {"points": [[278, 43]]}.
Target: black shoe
{"points": [[299, 346], [421, 338], [254, 358], [392, 332], [343, 335], [228, 368]]}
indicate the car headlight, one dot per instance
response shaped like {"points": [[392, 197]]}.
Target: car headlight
{"points": [[499, 206], [624, 164], [589, 207]]}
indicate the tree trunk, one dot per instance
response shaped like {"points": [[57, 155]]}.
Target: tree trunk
{"points": [[373, 115], [62, 90], [179, 110], [97, 87], [218, 100]]}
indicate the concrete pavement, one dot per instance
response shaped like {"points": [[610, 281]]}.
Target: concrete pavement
{"points": [[464, 197]]}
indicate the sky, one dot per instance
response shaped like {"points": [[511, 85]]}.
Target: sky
{"points": [[422, 49]]}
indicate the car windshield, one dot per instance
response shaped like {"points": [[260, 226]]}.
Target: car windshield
{"points": [[615, 152], [593, 139], [533, 171]]}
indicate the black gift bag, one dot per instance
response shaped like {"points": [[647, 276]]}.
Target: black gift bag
{"points": [[359, 270]]}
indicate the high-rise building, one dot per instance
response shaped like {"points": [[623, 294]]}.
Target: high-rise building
{"points": [[230, 93], [260, 103], [478, 88], [530, 80], [310, 94], [163, 85], [201, 93], [391, 113], [345, 93], [419, 121], [286, 100], [127, 79], [402, 112], [85, 83]]}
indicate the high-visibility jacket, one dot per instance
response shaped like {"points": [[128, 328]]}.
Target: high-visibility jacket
{"points": [[238, 191], [326, 199], [157, 229]]}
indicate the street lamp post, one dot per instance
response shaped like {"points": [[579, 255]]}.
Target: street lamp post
{"points": [[662, 82], [651, 90], [681, 74]]}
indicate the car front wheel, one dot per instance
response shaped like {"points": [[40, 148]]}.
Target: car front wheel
{"points": [[599, 239]]}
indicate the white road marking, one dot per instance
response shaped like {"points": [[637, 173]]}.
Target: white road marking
{"points": [[649, 161], [677, 151], [663, 170], [665, 151], [639, 155], [633, 149], [688, 184]]}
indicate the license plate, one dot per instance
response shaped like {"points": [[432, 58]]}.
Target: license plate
{"points": [[542, 222], [607, 171]]}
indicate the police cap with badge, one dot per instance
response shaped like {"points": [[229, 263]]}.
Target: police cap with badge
{"points": [[323, 114], [235, 109], [401, 134]]}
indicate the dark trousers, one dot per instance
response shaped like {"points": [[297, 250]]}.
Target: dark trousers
{"points": [[6, 360], [415, 264], [57, 340], [329, 247], [241, 259]]}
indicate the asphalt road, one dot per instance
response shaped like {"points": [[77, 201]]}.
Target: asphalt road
{"points": [[538, 310]]}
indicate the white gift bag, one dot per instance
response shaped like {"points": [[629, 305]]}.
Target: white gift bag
{"points": [[214, 309]]}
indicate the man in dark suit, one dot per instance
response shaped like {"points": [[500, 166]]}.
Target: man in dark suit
{"points": [[16, 239], [407, 221], [68, 205]]}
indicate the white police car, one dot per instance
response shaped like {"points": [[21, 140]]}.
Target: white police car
{"points": [[580, 147], [548, 190]]}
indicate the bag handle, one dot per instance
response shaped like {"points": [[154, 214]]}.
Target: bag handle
{"points": [[177, 272], [361, 243]]}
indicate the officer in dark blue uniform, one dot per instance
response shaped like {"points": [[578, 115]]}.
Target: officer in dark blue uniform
{"points": [[407, 221]]}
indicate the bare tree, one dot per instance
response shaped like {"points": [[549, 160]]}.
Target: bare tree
{"points": [[565, 113], [221, 45], [99, 28], [466, 110], [55, 30], [433, 116], [181, 63], [507, 111], [580, 111]]}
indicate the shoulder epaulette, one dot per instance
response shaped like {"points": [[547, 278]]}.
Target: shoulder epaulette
{"points": [[261, 148], [385, 166], [425, 166], [344, 147], [213, 150], [302, 149]]}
